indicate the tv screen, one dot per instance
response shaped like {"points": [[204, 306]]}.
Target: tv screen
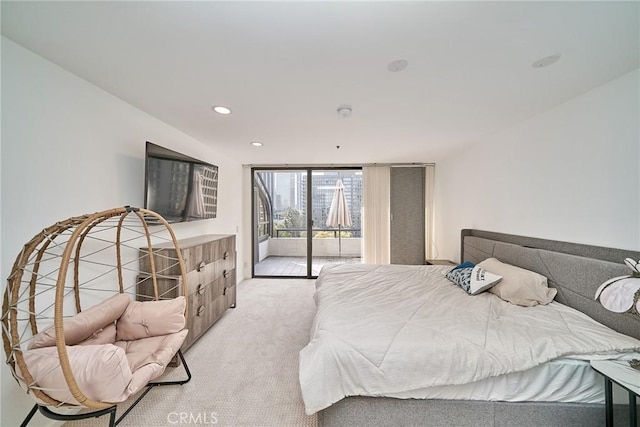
{"points": [[179, 187]]}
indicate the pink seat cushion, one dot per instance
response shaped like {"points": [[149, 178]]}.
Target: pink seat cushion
{"points": [[149, 334], [105, 372], [102, 372], [148, 357]]}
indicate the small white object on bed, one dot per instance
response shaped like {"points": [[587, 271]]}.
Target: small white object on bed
{"points": [[398, 331]]}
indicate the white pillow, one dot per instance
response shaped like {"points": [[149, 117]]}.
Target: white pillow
{"points": [[481, 280]]}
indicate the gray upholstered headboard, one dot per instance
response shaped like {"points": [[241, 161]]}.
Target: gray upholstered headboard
{"points": [[575, 270]]}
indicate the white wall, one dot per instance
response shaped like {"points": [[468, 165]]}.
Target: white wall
{"points": [[571, 174], [70, 148]]}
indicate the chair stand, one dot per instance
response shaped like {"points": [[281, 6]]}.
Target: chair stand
{"points": [[44, 410]]}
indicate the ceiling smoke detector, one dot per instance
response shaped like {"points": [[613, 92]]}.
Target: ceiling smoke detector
{"points": [[397, 65], [344, 111], [546, 61]]}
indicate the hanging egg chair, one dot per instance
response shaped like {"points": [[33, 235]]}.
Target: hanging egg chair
{"points": [[76, 331]]}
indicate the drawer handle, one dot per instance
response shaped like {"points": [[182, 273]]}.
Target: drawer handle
{"points": [[201, 310], [226, 255], [200, 266], [224, 291], [225, 274], [200, 289]]}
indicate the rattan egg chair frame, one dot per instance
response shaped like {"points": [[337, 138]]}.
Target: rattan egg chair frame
{"points": [[28, 295]]}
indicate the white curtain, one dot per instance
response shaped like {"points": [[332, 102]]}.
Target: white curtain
{"points": [[376, 214], [430, 250]]}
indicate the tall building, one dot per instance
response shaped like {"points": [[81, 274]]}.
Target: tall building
{"points": [[288, 189], [322, 191]]}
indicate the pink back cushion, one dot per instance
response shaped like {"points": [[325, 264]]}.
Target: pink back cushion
{"points": [[151, 319], [106, 335], [84, 324]]}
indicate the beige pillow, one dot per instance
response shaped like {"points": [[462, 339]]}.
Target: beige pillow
{"points": [[106, 335], [101, 371], [84, 324], [518, 285], [151, 319]]}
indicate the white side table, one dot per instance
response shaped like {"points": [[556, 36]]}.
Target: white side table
{"points": [[619, 372]]}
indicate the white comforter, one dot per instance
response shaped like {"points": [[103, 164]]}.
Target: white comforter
{"points": [[385, 329]]}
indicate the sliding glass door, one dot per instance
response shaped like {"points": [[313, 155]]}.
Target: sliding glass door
{"points": [[305, 218], [280, 223], [336, 220]]}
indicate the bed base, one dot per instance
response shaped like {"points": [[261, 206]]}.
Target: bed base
{"points": [[576, 270], [384, 411]]}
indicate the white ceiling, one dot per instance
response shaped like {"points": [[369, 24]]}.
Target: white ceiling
{"points": [[285, 67]]}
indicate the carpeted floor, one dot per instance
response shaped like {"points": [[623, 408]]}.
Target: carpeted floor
{"points": [[245, 368]]}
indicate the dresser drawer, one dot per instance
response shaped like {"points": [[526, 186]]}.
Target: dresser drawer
{"points": [[226, 248], [219, 286], [165, 260], [220, 295], [198, 256], [198, 320], [197, 279], [195, 251], [230, 296], [168, 287], [223, 266]]}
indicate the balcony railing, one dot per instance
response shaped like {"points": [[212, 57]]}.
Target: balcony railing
{"points": [[335, 231], [350, 247]]}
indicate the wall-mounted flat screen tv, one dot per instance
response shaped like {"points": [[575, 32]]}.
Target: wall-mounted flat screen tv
{"points": [[179, 187]]}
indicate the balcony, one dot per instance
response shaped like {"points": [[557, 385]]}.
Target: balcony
{"points": [[281, 256], [286, 200]]}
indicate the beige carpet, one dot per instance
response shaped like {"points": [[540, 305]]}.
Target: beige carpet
{"points": [[245, 368]]}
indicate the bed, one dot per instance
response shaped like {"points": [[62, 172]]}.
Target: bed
{"points": [[382, 367]]}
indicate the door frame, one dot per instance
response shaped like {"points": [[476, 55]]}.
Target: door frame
{"points": [[308, 212]]}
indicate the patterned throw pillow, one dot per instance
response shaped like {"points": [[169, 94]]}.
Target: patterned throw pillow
{"points": [[472, 278], [461, 275]]}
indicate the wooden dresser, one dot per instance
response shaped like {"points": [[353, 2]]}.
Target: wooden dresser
{"points": [[210, 263]]}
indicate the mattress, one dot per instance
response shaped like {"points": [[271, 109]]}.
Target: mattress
{"points": [[407, 332], [561, 380]]}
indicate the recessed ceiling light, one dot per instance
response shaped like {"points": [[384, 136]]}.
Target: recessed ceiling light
{"points": [[397, 65], [221, 110], [546, 61], [344, 111], [256, 143]]}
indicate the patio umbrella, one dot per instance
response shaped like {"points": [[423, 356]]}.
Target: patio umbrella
{"points": [[339, 213]]}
